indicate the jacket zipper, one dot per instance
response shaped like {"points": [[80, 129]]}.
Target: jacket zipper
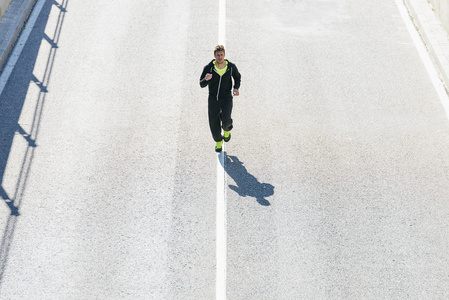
{"points": [[219, 83]]}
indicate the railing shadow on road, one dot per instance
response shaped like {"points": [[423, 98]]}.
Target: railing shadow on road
{"points": [[247, 184], [12, 101]]}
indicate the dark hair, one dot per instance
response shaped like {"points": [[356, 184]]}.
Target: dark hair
{"points": [[219, 48]]}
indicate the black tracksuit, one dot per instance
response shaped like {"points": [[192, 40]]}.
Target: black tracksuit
{"points": [[220, 97]]}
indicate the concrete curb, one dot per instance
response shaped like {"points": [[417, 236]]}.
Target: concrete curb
{"points": [[4, 6], [434, 35], [11, 25]]}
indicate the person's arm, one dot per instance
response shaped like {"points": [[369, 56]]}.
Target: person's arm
{"points": [[205, 77], [237, 77]]}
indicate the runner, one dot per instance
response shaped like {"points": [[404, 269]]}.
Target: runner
{"points": [[217, 75]]}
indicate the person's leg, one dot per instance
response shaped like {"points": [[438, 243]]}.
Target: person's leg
{"points": [[226, 111], [214, 119]]}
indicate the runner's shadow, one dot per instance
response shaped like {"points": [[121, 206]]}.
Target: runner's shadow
{"points": [[247, 184]]}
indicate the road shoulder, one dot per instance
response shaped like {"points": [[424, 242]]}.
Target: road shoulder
{"points": [[432, 32], [11, 25]]}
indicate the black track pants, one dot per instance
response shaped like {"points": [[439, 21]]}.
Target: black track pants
{"points": [[219, 116]]}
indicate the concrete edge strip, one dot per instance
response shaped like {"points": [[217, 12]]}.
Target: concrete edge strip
{"points": [[17, 49], [12, 24], [425, 57], [415, 17]]}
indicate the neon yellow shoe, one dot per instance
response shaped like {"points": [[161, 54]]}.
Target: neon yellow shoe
{"points": [[218, 146], [227, 136]]}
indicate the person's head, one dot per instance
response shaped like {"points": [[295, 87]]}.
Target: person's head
{"points": [[219, 53]]}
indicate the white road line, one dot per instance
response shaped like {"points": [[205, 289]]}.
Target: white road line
{"points": [[221, 225], [419, 44], [222, 23], [20, 44]]}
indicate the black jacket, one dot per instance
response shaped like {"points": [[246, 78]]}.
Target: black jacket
{"points": [[220, 87]]}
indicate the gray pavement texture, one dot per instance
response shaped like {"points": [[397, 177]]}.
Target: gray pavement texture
{"points": [[337, 174]]}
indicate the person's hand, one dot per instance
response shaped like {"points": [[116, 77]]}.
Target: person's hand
{"points": [[208, 77], [235, 92]]}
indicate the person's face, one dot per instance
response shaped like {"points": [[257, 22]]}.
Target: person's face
{"points": [[219, 56]]}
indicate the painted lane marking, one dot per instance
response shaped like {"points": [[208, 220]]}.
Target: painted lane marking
{"points": [[221, 229], [221, 225], [222, 23]]}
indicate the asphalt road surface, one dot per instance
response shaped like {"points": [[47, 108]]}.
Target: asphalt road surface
{"points": [[337, 173]]}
